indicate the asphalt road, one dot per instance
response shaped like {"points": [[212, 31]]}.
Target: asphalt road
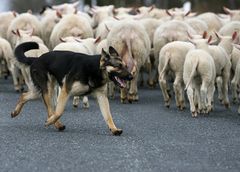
{"points": [[154, 138]]}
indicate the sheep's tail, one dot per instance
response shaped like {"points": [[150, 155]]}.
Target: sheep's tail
{"points": [[22, 48], [165, 65], [129, 47], [193, 72]]}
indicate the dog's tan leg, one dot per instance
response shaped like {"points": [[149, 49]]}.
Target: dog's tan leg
{"points": [[105, 109], [30, 95], [62, 100], [49, 105]]}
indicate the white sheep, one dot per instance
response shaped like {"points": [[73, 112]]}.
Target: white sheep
{"points": [[132, 43], [71, 25], [24, 21], [171, 60], [27, 36], [199, 77], [48, 22], [222, 63], [66, 8], [212, 20], [236, 79], [6, 53], [234, 14], [170, 31], [6, 19]]}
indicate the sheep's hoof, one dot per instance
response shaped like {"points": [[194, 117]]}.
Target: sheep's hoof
{"points": [[86, 105], [235, 101], [194, 114], [75, 106], [227, 105], [124, 100], [151, 84]]}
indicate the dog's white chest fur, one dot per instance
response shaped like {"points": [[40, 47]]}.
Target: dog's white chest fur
{"points": [[78, 88]]}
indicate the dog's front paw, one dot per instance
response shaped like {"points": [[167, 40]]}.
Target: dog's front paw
{"points": [[53, 119], [116, 132], [14, 114]]}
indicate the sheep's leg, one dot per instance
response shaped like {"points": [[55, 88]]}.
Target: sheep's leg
{"points": [[210, 96], [111, 86], [234, 89], [177, 89], [190, 94], [76, 101], [182, 97], [25, 97], [219, 82], [150, 74], [197, 99], [85, 102], [203, 95], [163, 85], [123, 95], [133, 90], [226, 76], [14, 72]]}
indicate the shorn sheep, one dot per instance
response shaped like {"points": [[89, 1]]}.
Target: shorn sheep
{"points": [[132, 43], [171, 61], [199, 77]]}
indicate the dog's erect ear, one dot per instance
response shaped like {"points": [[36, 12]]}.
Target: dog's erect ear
{"points": [[104, 58], [112, 51]]}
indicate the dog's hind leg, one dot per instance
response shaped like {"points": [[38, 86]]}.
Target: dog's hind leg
{"points": [[30, 95], [105, 109], [62, 100], [47, 97]]}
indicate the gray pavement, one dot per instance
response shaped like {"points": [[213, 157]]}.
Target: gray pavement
{"points": [[154, 138]]}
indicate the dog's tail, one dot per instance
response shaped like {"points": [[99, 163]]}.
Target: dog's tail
{"points": [[22, 48]]}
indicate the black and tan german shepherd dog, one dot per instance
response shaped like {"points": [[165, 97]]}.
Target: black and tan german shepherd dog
{"points": [[76, 74]]}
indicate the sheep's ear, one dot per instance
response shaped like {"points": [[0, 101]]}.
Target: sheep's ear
{"points": [[218, 36], [75, 4], [112, 51], [62, 39], [168, 13], [16, 32], [151, 8], [29, 11], [107, 28], [209, 39], [234, 35], [59, 15], [204, 36], [227, 10], [189, 12], [14, 13], [97, 40]]}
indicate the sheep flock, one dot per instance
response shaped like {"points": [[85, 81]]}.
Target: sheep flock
{"points": [[189, 55]]}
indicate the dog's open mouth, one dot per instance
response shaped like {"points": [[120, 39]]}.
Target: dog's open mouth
{"points": [[120, 82]]}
